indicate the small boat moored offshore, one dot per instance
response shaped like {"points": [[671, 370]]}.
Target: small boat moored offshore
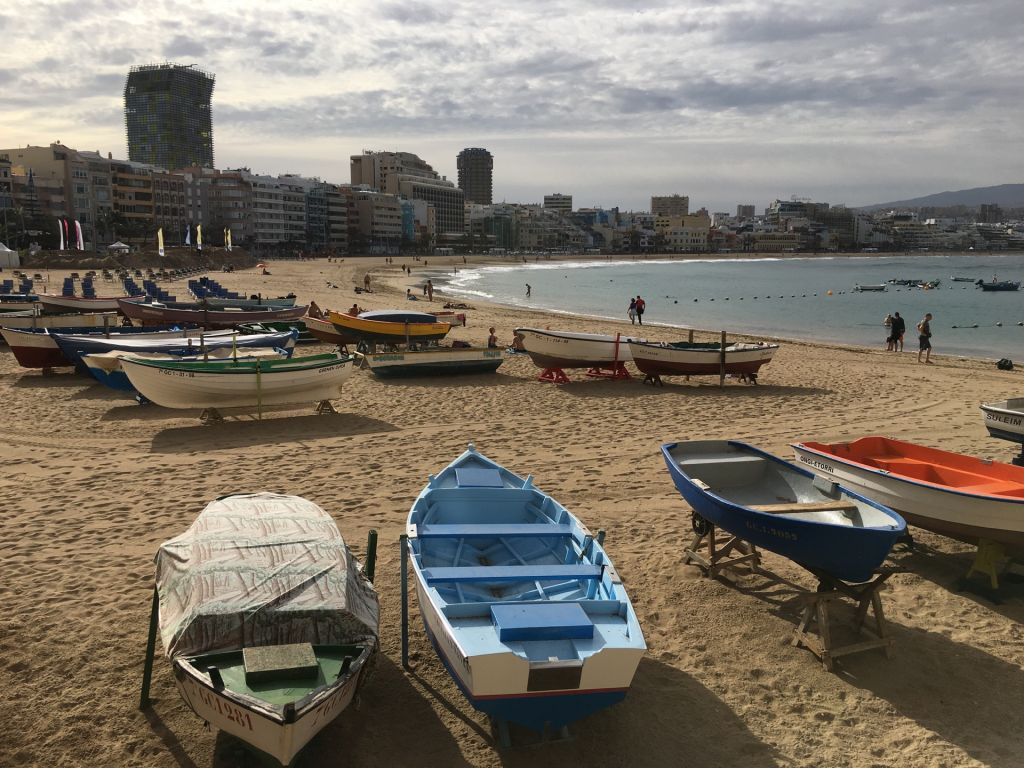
{"points": [[267, 619], [862, 288], [998, 285], [965, 498], [783, 508], [684, 358], [433, 361], [520, 601]]}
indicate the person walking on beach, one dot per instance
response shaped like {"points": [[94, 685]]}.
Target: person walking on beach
{"points": [[924, 330], [528, 290], [899, 327], [632, 311], [887, 322], [430, 290], [366, 281], [641, 305]]}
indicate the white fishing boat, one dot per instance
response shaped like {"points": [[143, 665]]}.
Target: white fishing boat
{"points": [[568, 349], [1005, 419], [243, 384], [267, 619], [106, 368], [53, 303]]}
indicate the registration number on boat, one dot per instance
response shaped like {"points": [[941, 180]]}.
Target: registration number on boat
{"points": [[225, 709], [186, 374], [818, 464]]}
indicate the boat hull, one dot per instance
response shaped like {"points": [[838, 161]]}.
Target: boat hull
{"points": [[562, 349], [356, 329], [75, 347], [1005, 419], [173, 386], [526, 638], [106, 368], [93, 320], [279, 303], [263, 729], [959, 514], [1000, 286], [846, 552], [433, 362], [149, 314], [53, 303], [325, 331], [655, 359]]}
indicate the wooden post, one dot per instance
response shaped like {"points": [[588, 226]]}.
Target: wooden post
{"points": [[721, 363], [259, 393], [147, 669], [403, 543], [371, 554]]}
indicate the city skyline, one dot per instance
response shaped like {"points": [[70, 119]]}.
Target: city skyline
{"points": [[728, 103]]}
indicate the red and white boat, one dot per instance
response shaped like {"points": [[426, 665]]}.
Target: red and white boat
{"points": [[693, 359], [973, 500], [38, 349]]}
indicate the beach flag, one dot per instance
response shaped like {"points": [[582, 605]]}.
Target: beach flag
{"points": [[188, 234], [227, 238], [160, 242], [60, 230], [199, 237], [79, 241]]}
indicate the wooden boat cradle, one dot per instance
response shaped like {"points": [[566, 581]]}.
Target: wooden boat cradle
{"points": [[817, 607]]}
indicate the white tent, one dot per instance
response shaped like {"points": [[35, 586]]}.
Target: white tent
{"points": [[119, 246], [9, 258]]}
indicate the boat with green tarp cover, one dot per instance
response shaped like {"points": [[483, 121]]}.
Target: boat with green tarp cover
{"points": [[267, 618]]}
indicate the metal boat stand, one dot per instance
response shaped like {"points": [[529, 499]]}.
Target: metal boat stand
{"points": [[617, 371], [211, 416], [654, 380], [816, 609], [324, 406], [721, 553], [554, 375]]}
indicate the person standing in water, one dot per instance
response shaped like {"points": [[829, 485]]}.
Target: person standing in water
{"points": [[528, 290], [631, 312], [641, 305]]}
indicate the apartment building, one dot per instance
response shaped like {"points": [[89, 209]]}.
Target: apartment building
{"points": [[670, 205]]}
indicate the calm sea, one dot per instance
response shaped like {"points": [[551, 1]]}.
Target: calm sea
{"points": [[780, 297]]}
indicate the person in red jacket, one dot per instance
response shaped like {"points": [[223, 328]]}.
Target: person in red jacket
{"points": [[641, 305]]}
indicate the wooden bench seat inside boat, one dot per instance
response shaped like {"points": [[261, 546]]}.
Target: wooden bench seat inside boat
{"points": [[806, 506], [728, 457], [512, 573], [500, 530], [721, 469], [940, 475]]}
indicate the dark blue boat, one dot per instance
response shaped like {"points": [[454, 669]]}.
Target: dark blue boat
{"points": [[783, 508]]}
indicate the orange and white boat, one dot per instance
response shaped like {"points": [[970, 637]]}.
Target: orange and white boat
{"points": [[966, 498]]}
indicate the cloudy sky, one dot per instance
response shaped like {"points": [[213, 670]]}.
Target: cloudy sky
{"points": [[727, 102]]}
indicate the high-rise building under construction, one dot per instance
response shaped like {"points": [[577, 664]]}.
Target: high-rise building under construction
{"points": [[167, 115]]}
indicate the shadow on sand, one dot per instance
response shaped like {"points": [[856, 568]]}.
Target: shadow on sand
{"points": [[393, 725], [697, 387], [54, 379], [244, 432], [167, 736]]}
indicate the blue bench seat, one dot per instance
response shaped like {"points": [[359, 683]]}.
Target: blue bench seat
{"points": [[541, 621], [498, 530], [512, 573]]}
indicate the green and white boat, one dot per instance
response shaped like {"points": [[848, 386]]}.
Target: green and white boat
{"points": [[267, 618]]}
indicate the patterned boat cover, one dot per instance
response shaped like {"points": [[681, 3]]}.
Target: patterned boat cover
{"points": [[261, 569]]}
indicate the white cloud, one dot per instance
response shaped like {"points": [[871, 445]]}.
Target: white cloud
{"points": [[727, 102]]}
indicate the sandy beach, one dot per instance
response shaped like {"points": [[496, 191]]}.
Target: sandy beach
{"points": [[93, 483]]}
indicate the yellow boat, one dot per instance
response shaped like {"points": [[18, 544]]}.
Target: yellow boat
{"points": [[415, 327]]}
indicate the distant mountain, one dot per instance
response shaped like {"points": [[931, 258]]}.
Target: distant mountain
{"points": [[1003, 195]]}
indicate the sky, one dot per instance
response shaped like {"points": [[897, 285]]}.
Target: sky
{"points": [[727, 102]]}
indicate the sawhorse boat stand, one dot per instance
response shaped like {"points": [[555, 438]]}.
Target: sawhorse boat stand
{"points": [[816, 609], [722, 553], [213, 416]]}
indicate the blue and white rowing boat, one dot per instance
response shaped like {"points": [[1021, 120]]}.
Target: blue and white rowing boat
{"points": [[781, 507], [520, 601]]}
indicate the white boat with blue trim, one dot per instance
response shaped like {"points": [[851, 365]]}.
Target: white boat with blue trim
{"points": [[520, 601]]}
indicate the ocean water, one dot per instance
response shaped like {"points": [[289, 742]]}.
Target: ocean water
{"points": [[785, 298]]}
